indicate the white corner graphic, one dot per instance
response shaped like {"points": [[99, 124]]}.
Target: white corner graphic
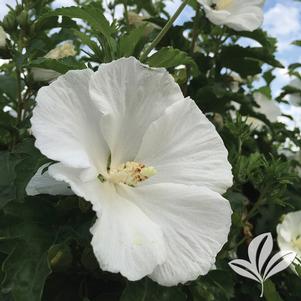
{"points": [[260, 266]]}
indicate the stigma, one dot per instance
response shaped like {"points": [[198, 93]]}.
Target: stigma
{"points": [[130, 173]]}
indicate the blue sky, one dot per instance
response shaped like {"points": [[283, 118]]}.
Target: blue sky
{"points": [[282, 20]]}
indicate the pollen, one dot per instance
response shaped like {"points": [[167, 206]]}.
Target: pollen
{"points": [[131, 173], [222, 4]]}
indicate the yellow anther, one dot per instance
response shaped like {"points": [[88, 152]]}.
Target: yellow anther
{"points": [[131, 173]]}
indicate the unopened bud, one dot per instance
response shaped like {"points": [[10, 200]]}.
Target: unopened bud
{"points": [[9, 22], [2, 38], [23, 19]]}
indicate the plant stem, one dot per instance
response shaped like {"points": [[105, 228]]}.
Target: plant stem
{"points": [[195, 34], [261, 200], [163, 31], [195, 29], [19, 96]]}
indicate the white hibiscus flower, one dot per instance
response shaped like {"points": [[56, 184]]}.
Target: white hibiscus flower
{"points": [[289, 233], [266, 106], [236, 82], [236, 14], [137, 21], [64, 50], [148, 160], [295, 98]]}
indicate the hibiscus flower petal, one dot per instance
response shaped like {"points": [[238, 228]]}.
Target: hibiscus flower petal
{"points": [[238, 14], [131, 95], [248, 18], [195, 222], [185, 148], [124, 239], [66, 123], [43, 183], [215, 16]]}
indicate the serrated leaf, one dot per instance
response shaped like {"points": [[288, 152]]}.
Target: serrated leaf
{"points": [[260, 36], [129, 42], [62, 65], [7, 178], [169, 57], [92, 15], [247, 60], [89, 42]]}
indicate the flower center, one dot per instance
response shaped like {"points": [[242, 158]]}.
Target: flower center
{"points": [[130, 173], [297, 242], [221, 4]]}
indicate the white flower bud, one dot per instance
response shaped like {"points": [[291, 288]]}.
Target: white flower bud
{"points": [[2, 37], [61, 51], [64, 50], [137, 21]]}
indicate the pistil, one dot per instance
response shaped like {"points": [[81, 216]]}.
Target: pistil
{"points": [[130, 173]]}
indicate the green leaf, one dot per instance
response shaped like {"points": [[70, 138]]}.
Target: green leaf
{"points": [[297, 43], [92, 15], [27, 232], [298, 269], [8, 85], [270, 292], [28, 275], [259, 36], [62, 65], [7, 178], [129, 42], [169, 57], [247, 60], [214, 286], [30, 159], [147, 290], [90, 43], [294, 66]]}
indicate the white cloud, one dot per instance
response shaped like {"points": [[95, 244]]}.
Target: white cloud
{"points": [[282, 79], [4, 8], [62, 3], [187, 13], [283, 22]]}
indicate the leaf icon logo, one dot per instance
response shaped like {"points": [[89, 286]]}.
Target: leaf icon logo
{"points": [[261, 266]]}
